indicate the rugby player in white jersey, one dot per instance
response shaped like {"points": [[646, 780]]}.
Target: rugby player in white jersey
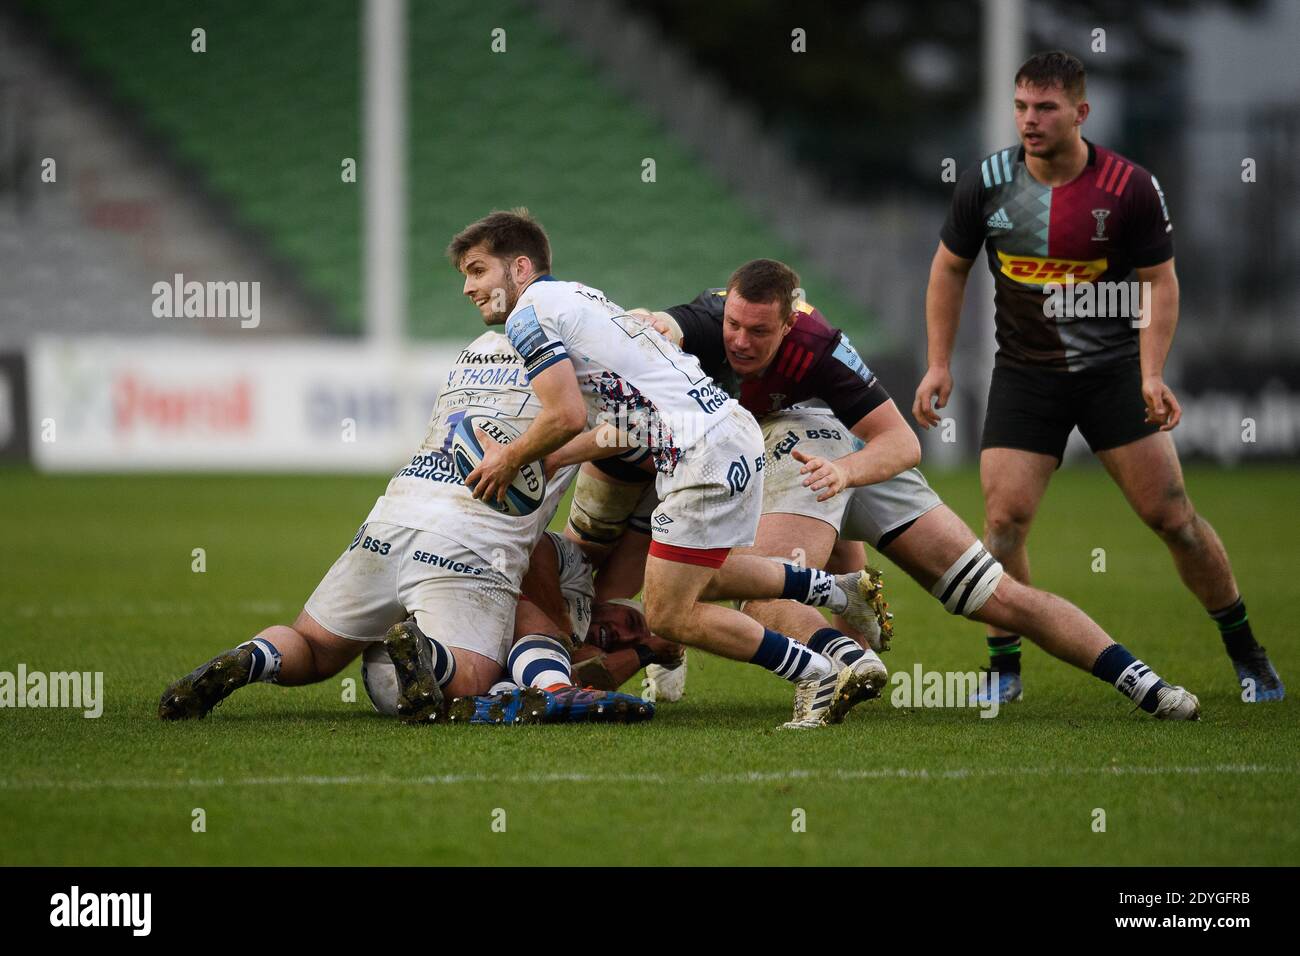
{"points": [[427, 550], [591, 363]]}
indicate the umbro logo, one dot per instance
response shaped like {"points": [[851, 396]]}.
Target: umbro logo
{"points": [[999, 220], [662, 519]]}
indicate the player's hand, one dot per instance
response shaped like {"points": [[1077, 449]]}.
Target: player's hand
{"points": [[666, 653], [1162, 407], [494, 473], [935, 387], [825, 477]]}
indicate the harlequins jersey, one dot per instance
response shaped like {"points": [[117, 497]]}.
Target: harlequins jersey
{"points": [[815, 361], [1096, 228]]}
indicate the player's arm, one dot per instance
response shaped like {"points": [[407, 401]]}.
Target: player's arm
{"points": [[960, 241], [1160, 318], [563, 415], [943, 298], [603, 441], [891, 448], [855, 395], [664, 324]]}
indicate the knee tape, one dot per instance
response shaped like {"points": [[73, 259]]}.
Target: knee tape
{"points": [[970, 581]]}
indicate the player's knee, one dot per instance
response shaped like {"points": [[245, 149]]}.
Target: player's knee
{"points": [[969, 581], [1006, 525], [666, 617], [1172, 517]]}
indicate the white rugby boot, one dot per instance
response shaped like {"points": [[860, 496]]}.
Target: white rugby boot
{"points": [[1177, 703], [866, 611], [819, 701]]}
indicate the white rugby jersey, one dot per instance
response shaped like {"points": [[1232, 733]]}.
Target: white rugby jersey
{"points": [[428, 493], [630, 375]]}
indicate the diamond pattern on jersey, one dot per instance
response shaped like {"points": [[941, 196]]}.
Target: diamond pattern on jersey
{"points": [[1028, 204]]}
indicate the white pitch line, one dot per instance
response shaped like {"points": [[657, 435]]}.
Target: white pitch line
{"points": [[920, 774]]}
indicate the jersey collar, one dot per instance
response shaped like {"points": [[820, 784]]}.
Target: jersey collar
{"points": [[1092, 153]]}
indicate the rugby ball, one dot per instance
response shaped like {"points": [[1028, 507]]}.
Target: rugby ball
{"points": [[525, 494]]}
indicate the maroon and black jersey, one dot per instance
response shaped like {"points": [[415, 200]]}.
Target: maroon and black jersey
{"points": [[815, 361], [1096, 228]]}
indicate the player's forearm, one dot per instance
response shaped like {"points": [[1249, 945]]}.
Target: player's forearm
{"points": [[603, 441], [884, 457], [1157, 336], [551, 430], [943, 298]]}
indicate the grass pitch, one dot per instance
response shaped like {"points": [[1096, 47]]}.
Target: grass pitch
{"points": [[97, 576]]}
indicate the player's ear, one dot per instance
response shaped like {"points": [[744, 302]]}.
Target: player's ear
{"points": [[1083, 109]]}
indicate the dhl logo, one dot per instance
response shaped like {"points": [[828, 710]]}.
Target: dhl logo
{"points": [[1036, 270]]}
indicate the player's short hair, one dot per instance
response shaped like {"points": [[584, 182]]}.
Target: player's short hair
{"points": [[766, 280], [1052, 68], [507, 234]]}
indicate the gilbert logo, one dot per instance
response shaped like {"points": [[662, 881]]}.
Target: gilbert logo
{"points": [[102, 909]]}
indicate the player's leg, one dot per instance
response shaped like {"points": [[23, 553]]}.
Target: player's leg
{"points": [[809, 540], [700, 517], [1027, 422], [291, 656], [1149, 474], [1013, 482], [797, 528], [943, 555], [622, 572], [353, 604]]}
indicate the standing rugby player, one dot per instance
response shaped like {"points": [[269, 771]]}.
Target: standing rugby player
{"points": [[1059, 209]]}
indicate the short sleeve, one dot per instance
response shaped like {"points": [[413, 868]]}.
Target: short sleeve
{"points": [[701, 323], [963, 231], [535, 338], [850, 388], [1150, 233]]}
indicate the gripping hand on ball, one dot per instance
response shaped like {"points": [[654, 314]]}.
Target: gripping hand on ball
{"points": [[494, 473]]}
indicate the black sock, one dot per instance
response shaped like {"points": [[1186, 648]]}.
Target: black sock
{"points": [[1004, 654], [1234, 628]]}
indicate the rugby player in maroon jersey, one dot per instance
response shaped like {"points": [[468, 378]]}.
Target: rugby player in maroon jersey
{"points": [[1055, 215]]}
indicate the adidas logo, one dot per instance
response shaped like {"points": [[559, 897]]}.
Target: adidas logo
{"points": [[999, 220]]}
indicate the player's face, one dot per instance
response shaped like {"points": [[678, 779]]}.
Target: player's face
{"points": [[751, 334], [489, 284], [616, 625], [1046, 120]]}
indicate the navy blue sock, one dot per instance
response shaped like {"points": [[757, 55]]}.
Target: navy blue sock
{"points": [[266, 661], [811, 586], [839, 647], [1131, 677], [788, 658]]}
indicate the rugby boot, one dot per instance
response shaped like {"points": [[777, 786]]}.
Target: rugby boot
{"points": [[195, 694], [1255, 670], [566, 704], [867, 610], [419, 698]]}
